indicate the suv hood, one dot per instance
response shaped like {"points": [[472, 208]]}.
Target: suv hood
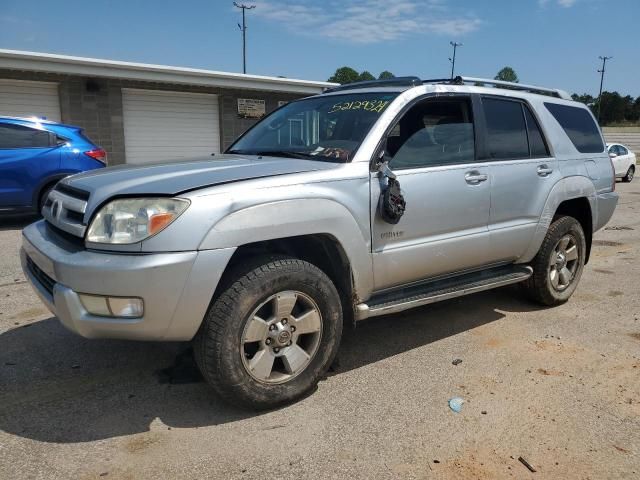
{"points": [[177, 177]]}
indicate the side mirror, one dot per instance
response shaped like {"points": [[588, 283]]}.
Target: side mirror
{"points": [[392, 203], [613, 155]]}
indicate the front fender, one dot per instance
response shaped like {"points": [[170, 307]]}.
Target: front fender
{"points": [[289, 218], [567, 188]]}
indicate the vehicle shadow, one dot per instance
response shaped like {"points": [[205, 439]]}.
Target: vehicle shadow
{"points": [[14, 222], [58, 387]]}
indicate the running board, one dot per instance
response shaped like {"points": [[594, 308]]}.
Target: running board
{"points": [[400, 299]]}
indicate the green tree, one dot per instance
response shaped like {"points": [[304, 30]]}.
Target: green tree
{"points": [[507, 74], [365, 76], [344, 75], [386, 75]]}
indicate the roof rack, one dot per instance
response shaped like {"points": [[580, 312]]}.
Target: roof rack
{"points": [[554, 92], [390, 82], [415, 81]]}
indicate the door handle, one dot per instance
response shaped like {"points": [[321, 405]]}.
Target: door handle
{"points": [[474, 178], [544, 170]]}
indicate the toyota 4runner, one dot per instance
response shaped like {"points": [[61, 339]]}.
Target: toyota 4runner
{"points": [[368, 199]]}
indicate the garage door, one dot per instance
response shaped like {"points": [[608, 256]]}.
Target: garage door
{"points": [[169, 125], [20, 98]]}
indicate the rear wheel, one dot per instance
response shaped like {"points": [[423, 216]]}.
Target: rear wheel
{"points": [[271, 335], [629, 176], [43, 197], [558, 266]]}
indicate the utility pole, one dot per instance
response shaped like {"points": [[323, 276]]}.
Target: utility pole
{"points": [[455, 45], [601, 72], [243, 29]]}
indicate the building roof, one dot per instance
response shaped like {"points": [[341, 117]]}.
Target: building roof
{"points": [[95, 67]]}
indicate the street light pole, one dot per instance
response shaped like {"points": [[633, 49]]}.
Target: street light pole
{"points": [[455, 45], [601, 72], [243, 29]]}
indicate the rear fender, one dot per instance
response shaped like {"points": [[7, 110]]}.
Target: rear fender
{"points": [[567, 188]]}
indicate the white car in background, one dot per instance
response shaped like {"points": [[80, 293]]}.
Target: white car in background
{"points": [[624, 161]]}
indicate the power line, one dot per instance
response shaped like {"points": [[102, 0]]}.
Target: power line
{"points": [[243, 29], [601, 72], [455, 45]]}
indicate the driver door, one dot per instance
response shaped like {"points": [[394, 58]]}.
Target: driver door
{"points": [[431, 150]]}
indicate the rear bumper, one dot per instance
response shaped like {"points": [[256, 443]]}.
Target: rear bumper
{"points": [[605, 206], [176, 287]]}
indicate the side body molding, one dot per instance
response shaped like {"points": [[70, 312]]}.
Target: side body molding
{"points": [[567, 188], [296, 217]]}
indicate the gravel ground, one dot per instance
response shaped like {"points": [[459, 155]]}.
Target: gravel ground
{"points": [[559, 387]]}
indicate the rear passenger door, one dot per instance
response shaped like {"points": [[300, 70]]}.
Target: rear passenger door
{"points": [[522, 171]]}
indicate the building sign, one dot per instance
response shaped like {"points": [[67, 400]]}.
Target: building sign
{"points": [[251, 108]]}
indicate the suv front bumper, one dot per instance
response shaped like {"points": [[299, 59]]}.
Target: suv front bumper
{"points": [[176, 287]]}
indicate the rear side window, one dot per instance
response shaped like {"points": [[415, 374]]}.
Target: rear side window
{"points": [[19, 136], [506, 129], [537, 144], [579, 126]]}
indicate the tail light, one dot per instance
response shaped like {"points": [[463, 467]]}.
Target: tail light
{"points": [[97, 154]]}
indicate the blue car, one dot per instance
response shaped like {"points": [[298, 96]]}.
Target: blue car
{"points": [[34, 155]]}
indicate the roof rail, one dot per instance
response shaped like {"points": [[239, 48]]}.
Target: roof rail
{"points": [[554, 92], [390, 82], [415, 81]]}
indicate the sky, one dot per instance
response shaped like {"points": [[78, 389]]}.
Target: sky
{"points": [[553, 43]]}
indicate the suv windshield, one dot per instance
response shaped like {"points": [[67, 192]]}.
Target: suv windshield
{"points": [[319, 128]]}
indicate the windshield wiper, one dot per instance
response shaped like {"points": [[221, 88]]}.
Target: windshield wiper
{"points": [[283, 153]]}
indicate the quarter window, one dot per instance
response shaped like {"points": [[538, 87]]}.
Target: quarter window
{"points": [[18, 136], [432, 133], [579, 126], [506, 129]]}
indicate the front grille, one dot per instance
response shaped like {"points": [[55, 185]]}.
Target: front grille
{"points": [[43, 279], [72, 191], [64, 209]]}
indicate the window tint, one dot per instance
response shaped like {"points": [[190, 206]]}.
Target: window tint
{"points": [[432, 133], [18, 136], [579, 125], [506, 129], [537, 145], [622, 150]]}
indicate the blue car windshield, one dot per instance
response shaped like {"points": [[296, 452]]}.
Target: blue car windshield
{"points": [[328, 128]]}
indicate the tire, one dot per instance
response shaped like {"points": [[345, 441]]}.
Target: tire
{"points": [[544, 286], [243, 330], [629, 176], [43, 197]]}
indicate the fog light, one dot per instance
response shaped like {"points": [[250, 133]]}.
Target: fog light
{"points": [[113, 306]]}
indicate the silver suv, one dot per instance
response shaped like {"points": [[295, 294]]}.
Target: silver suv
{"points": [[368, 199]]}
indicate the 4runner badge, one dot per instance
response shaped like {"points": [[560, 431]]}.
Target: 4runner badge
{"points": [[390, 235]]}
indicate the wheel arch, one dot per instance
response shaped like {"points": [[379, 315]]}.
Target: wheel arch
{"points": [[301, 226], [322, 250], [575, 196]]}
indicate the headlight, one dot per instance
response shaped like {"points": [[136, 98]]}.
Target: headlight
{"points": [[132, 220]]}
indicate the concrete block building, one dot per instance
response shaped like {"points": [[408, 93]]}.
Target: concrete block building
{"points": [[141, 113]]}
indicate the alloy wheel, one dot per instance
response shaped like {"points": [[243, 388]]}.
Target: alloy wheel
{"points": [[281, 337], [564, 262]]}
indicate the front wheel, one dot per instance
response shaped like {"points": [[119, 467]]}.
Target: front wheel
{"points": [[270, 336], [558, 266], [629, 176]]}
